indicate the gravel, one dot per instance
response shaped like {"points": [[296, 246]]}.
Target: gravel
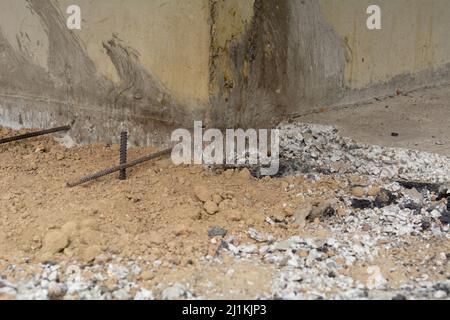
{"points": [[175, 292], [394, 218], [217, 232], [309, 147]]}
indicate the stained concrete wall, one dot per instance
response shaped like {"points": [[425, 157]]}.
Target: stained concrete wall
{"points": [[141, 63], [153, 66], [413, 38], [293, 57]]}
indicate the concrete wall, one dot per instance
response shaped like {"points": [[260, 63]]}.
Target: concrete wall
{"points": [[411, 50], [161, 64], [293, 57], [142, 63], [414, 38]]}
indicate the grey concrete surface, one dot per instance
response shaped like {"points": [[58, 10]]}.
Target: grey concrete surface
{"points": [[420, 118]]}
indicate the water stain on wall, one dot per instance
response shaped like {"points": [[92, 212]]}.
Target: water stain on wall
{"points": [[140, 92], [75, 90], [285, 59], [268, 60]]}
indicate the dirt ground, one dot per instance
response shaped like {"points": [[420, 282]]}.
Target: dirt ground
{"points": [[165, 213], [420, 118], [157, 205], [156, 214]]}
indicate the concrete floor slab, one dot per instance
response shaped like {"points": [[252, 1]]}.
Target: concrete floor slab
{"points": [[420, 118]]}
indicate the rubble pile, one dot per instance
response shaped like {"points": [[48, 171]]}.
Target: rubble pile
{"points": [[310, 147]]}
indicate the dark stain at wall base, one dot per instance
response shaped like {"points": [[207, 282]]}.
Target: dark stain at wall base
{"points": [[316, 58], [256, 64], [295, 60]]}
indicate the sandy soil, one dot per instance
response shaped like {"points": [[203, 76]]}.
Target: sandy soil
{"points": [[156, 208], [156, 214], [163, 213]]}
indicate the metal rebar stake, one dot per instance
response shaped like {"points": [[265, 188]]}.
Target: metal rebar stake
{"points": [[34, 134], [123, 154], [109, 171]]}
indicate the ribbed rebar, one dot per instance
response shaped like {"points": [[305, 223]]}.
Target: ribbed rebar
{"points": [[106, 172], [34, 134], [123, 154]]}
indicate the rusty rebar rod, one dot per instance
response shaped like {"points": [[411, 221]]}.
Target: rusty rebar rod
{"points": [[123, 154], [112, 170], [33, 134]]}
